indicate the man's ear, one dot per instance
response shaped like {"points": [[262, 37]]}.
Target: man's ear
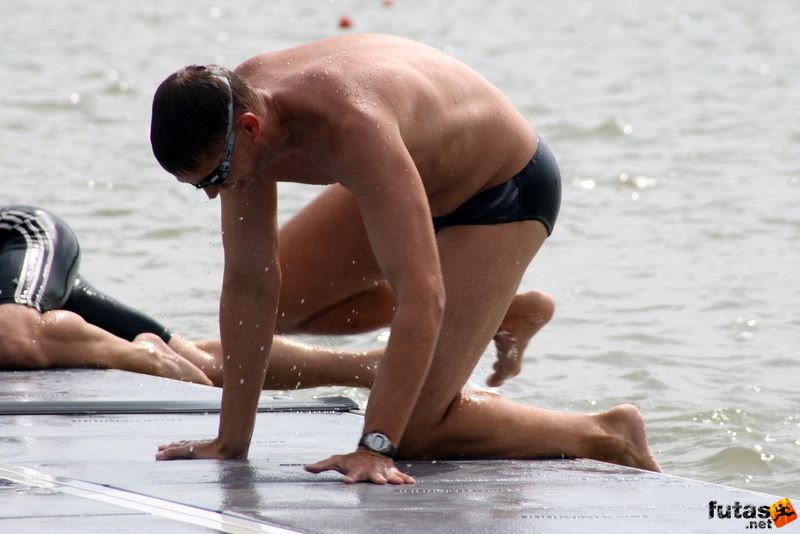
{"points": [[250, 124]]}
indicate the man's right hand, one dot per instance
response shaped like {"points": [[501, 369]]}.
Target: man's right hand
{"points": [[193, 450]]}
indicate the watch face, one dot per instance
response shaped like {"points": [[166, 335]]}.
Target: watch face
{"points": [[378, 442]]}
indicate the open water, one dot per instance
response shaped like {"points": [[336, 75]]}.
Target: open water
{"points": [[676, 261]]}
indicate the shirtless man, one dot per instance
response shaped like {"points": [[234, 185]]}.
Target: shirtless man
{"points": [[51, 317], [439, 194]]}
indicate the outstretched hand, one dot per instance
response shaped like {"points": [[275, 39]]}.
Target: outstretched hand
{"points": [[363, 465], [191, 450]]}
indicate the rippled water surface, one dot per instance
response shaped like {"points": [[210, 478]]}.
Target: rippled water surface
{"points": [[675, 263]]}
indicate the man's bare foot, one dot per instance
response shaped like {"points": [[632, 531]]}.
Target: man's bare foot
{"points": [[624, 439], [528, 313], [163, 361]]}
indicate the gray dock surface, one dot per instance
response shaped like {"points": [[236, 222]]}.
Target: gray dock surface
{"points": [[77, 455]]}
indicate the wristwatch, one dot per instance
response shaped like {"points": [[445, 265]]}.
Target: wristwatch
{"points": [[378, 442]]}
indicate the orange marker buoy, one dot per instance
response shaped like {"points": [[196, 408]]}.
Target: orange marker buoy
{"points": [[345, 21], [388, 3]]}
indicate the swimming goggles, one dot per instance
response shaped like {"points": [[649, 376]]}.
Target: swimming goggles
{"points": [[221, 172]]}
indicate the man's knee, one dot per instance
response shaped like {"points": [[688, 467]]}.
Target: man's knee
{"points": [[430, 433], [417, 446]]}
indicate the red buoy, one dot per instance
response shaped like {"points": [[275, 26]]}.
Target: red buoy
{"points": [[345, 21]]}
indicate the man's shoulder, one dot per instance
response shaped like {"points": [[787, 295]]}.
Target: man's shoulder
{"points": [[319, 93]]}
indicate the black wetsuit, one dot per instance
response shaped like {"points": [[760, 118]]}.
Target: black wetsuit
{"points": [[39, 260]]}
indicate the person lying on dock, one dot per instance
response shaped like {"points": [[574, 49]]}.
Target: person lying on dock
{"points": [[52, 317], [439, 195]]}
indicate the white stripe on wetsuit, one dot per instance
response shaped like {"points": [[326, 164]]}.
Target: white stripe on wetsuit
{"points": [[38, 232]]}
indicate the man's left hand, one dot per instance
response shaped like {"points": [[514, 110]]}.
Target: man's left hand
{"points": [[363, 465]]}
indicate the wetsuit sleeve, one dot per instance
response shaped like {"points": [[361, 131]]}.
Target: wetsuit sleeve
{"points": [[111, 315]]}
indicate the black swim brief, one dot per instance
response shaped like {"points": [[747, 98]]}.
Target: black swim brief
{"points": [[39, 260], [532, 194]]}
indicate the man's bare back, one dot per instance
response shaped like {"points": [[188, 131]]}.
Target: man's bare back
{"points": [[462, 133]]}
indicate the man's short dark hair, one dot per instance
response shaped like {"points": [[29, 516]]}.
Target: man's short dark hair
{"points": [[190, 115]]}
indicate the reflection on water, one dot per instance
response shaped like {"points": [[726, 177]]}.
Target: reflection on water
{"points": [[237, 480], [675, 260]]}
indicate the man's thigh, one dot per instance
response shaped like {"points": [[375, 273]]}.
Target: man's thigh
{"points": [[483, 267], [18, 324], [325, 256]]}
